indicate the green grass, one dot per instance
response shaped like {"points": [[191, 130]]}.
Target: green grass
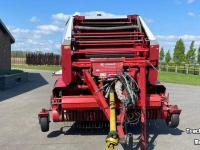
{"points": [[171, 77], [52, 68], [9, 72], [168, 77]]}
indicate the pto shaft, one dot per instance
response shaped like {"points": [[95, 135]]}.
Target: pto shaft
{"points": [[112, 138], [112, 112]]}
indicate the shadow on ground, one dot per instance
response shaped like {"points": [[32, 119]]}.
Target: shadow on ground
{"points": [[154, 129], [35, 80]]}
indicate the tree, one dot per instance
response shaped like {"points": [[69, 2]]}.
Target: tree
{"points": [[167, 58], [190, 56], [161, 57], [18, 54], [198, 55], [179, 53], [162, 54], [38, 52]]}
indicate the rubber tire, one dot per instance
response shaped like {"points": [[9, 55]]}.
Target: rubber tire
{"points": [[173, 122], [44, 124]]}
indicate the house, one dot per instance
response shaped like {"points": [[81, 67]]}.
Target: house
{"points": [[6, 39]]}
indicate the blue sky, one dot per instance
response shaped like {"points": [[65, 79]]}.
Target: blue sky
{"points": [[38, 24]]}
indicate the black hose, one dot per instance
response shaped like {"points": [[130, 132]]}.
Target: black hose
{"points": [[122, 80], [106, 36], [107, 55], [91, 23]]}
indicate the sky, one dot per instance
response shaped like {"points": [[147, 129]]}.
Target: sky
{"points": [[38, 25]]}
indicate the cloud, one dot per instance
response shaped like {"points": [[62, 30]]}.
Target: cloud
{"points": [[64, 17], [32, 41], [48, 29], [175, 37], [169, 41], [190, 37], [190, 1], [148, 20], [58, 23], [17, 30], [34, 19], [191, 14], [168, 37], [60, 17]]}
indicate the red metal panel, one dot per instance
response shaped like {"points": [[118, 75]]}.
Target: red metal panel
{"points": [[153, 75], [120, 132], [110, 41], [79, 102], [127, 62], [152, 100], [154, 55], [110, 50], [60, 82], [79, 18], [66, 64], [56, 113], [104, 67], [109, 33], [43, 114], [142, 84], [99, 60], [154, 52], [132, 17], [104, 44], [98, 96]]}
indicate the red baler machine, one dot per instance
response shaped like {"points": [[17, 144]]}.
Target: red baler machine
{"points": [[109, 74]]}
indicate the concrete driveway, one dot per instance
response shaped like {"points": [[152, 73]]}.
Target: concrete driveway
{"points": [[19, 128]]}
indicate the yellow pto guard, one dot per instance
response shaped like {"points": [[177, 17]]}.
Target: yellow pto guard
{"points": [[112, 138]]}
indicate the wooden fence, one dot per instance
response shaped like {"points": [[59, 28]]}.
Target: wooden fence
{"points": [[183, 68], [18, 61]]}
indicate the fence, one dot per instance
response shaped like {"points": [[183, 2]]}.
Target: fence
{"points": [[37, 59], [183, 68], [18, 61]]}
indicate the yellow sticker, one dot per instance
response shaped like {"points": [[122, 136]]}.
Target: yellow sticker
{"points": [[66, 47], [102, 74]]}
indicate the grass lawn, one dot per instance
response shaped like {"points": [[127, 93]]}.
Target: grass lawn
{"points": [[52, 68], [171, 77], [168, 77]]}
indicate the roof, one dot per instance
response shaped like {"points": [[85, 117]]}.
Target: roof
{"points": [[5, 29]]}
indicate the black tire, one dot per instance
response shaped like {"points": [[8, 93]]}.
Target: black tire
{"points": [[44, 124], [173, 122]]}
